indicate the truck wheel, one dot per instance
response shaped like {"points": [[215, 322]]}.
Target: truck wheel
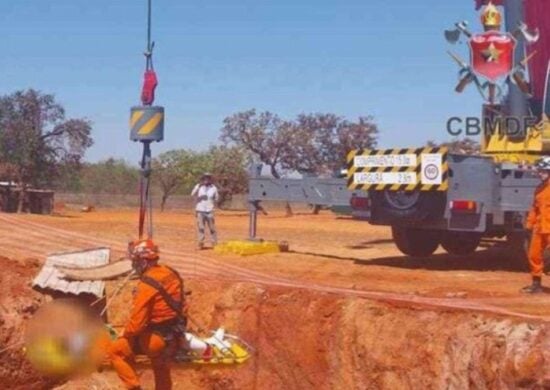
{"points": [[411, 206], [460, 243], [415, 242]]}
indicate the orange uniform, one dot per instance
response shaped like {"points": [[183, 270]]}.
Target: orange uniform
{"points": [[149, 312], [538, 221]]}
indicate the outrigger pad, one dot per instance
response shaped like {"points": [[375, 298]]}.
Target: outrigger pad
{"points": [[247, 248]]}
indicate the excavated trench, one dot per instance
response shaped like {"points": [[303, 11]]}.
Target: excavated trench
{"points": [[306, 340], [310, 340]]}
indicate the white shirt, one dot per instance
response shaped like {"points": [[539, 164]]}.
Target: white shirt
{"points": [[211, 193]]}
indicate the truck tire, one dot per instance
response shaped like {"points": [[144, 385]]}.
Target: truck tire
{"points": [[460, 243], [415, 242], [407, 206]]}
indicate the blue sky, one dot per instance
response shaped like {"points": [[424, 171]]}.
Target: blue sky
{"points": [[217, 57]]}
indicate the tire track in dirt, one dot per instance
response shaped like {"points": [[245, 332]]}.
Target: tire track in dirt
{"points": [[237, 274], [48, 244], [56, 243], [196, 260]]}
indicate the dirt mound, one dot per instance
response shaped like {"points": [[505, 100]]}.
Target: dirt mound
{"points": [[17, 303], [308, 340]]}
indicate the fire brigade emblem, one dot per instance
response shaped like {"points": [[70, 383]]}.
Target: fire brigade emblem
{"points": [[492, 55]]}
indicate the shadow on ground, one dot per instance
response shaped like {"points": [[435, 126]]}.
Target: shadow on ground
{"points": [[495, 258], [490, 257], [370, 243]]}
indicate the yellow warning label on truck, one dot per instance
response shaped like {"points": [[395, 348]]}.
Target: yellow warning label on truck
{"points": [[424, 169]]}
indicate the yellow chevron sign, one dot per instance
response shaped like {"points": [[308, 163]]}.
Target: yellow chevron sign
{"points": [[151, 124], [147, 123], [424, 169], [136, 116]]}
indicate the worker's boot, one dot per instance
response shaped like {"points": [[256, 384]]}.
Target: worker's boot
{"points": [[534, 288]]}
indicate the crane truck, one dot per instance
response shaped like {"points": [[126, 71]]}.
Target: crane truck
{"points": [[455, 200], [431, 197]]}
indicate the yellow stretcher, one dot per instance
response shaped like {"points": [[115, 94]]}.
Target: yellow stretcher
{"points": [[231, 350], [238, 353]]}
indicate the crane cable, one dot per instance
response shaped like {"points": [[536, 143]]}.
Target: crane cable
{"points": [[150, 82]]}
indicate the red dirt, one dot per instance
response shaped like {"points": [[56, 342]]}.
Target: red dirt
{"points": [[310, 340], [343, 310], [17, 303]]}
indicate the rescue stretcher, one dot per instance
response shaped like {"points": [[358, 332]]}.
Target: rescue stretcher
{"points": [[226, 350]]}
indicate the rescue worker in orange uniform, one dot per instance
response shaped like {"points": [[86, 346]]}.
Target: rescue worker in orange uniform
{"points": [[154, 325], [538, 223]]}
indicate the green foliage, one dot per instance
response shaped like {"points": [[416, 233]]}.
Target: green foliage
{"points": [[68, 179], [109, 177], [174, 172], [36, 139], [178, 171]]}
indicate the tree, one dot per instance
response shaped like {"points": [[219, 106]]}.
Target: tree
{"points": [[178, 170], [109, 177], [229, 167], [320, 142], [265, 135], [459, 146], [313, 143], [36, 138]]}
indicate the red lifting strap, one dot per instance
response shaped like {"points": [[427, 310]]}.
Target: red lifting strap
{"points": [[150, 82]]}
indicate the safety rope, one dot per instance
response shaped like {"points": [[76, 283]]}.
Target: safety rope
{"points": [[115, 293], [145, 202]]}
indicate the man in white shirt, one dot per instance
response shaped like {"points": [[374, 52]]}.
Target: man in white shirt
{"points": [[206, 196]]}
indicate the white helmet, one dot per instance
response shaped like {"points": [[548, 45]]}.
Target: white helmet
{"points": [[543, 164]]}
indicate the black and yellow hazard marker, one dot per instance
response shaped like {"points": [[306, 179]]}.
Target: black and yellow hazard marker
{"points": [[147, 123], [415, 169]]}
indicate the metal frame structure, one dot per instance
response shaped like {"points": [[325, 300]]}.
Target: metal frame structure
{"points": [[312, 190]]}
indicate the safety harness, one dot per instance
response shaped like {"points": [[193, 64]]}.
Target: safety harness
{"points": [[177, 325]]}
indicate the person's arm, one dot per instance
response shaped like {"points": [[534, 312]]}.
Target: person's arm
{"points": [[195, 190], [216, 196], [141, 311]]}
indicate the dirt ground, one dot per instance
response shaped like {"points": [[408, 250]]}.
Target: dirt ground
{"points": [[343, 309]]}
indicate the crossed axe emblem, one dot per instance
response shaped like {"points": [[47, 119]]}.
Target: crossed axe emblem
{"points": [[488, 90]]}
